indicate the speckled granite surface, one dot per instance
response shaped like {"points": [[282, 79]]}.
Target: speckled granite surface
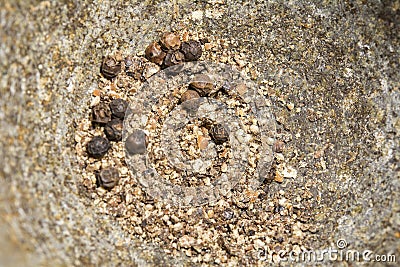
{"points": [[337, 62]]}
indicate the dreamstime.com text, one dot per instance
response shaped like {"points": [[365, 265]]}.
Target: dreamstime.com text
{"points": [[340, 253]]}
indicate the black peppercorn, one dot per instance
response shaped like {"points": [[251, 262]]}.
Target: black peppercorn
{"points": [[219, 133], [110, 67], [108, 178], [98, 147], [188, 95], [118, 108], [154, 53], [202, 84], [191, 107], [192, 50], [173, 58], [101, 113], [136, 143], [113, 130], [170, 41]]}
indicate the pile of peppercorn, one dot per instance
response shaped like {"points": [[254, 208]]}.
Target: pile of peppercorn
{"points": [[168, 51], [171, 51], [203, 86], [110, 116]]}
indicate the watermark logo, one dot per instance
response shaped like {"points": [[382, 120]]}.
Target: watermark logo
{"points": [[333, 254], [153, 106]]}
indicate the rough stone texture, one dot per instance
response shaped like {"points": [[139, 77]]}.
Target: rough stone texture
{"points": [[338, 63]]}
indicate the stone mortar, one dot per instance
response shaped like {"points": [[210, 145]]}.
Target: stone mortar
{"points": [[337, 62]]}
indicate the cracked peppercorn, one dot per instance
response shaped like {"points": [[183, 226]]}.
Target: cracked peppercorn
{"points": [[202, 84], [98, 147], [118, 108], [108, 178], [189, 95], [101, 113], [173, 58], [110, 67], [154, 53], [113, 130], [219, 133], [170, 41], [192, 50]]}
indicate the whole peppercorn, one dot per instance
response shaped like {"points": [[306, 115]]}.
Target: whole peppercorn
{"points": [[101, 113], [202, 84], [191, 107], [188, 95], [219, 133], [113, 130], [110, 67], [136, 143], [108, 178], [192, 50], [98, 147], [154, 53], [118, 108], [173, 58], [170, 41]]}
